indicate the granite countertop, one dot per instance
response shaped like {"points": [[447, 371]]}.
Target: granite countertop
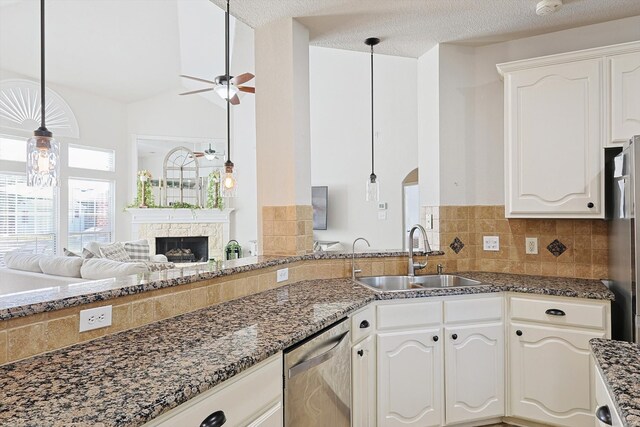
{"points": [[58, 297], [131, 377], [619, 363]]}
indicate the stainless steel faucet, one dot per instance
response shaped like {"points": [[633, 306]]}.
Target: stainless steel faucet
{"points": [[413, 266], [353, 257]]}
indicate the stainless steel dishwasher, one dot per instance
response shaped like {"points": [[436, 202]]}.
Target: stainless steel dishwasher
{"points": [[317, 379]]}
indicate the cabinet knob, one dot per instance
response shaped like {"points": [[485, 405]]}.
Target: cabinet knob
{"points": [[435, 338], [604, 415], [216, 419], [364, 324], [454, 336], [360, 353], [519, 333], [590, 205]]}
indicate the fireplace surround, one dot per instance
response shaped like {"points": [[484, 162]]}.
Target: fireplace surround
{"points": [[184, 249]]}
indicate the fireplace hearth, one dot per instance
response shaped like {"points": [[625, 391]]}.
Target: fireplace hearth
{"points": [[183, 249]]}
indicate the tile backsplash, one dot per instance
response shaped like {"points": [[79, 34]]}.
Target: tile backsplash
{"points": [[566, 247]]}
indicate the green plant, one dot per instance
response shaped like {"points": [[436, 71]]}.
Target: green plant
{"points": [[184, 205], [143, 188], [214, 196]]}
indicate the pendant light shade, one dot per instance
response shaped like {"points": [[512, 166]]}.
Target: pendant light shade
{"points": [[229, 183], [372, 193], [43, 152]]}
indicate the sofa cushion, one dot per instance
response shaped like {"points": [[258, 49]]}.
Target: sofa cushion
{"points": [[67, 266], [23, 261], [102, 268], [115, 252], [138, 250]]}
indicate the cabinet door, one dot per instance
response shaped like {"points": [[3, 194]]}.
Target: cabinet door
{"points": [[551, 374], [410, 378], [363, 394], [625, 102], [553, 156], [474, 372]]}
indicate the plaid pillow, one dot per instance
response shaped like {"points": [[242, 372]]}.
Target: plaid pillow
{"points": [[115, 252], [86, 254], [137, 250], [67, 252]]}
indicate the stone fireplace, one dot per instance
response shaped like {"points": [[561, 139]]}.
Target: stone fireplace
{"points": [[153, 223]]}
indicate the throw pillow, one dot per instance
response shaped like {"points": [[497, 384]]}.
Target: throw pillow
{"points": [[86, 254], [94, 248], [61, 265], [67, 252], [101, 268], [138, 250], [115, 252]]}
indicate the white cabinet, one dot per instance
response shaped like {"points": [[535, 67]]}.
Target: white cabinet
{"points": [[261, 383], [474, 372], [553, 141], [363, 383], [604, 403], [410, 378], [624, 71]]}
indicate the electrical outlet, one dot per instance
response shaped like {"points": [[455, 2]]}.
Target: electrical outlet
{"points": [[531, 245], [282, 275], [95, 318], [491, 243]]}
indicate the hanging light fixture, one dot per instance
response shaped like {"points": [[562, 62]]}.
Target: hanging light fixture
{"points": [[43, 152], [229, 184], [373, 183]]}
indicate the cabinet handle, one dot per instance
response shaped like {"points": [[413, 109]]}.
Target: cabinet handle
{"points": [[364, 324], [360, 353], [519, 333], [454, 336], [604, 414], [555, 312], [214, 420], [590, 205], [435, 338]]}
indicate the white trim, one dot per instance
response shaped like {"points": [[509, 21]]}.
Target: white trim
{"points": [[179, 216]]}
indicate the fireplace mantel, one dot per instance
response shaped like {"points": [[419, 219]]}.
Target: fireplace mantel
{"points": [[181, 216], [150, 223]]}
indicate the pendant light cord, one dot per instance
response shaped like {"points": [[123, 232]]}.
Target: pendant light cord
{"points": [[42, 85], [226, 54], [372, 134]]}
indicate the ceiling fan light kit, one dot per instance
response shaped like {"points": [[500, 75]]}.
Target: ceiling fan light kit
{"points": [[372, 192], [43, 152], [546, 7]]}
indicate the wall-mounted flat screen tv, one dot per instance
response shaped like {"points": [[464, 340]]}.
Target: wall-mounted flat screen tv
{"points": [[319, 200]]}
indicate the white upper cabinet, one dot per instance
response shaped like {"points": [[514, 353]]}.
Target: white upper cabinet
{"points": [[560, 111], [624, 72], [553, 148]]}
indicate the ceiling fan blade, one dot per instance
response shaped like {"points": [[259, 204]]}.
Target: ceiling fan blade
{"points": [[198, 153], [242, 78], [234, 100], [198, 79], [247, 89], [197, 91]]}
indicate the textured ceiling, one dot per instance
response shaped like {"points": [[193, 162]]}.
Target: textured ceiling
{"points": [[411, 27]]}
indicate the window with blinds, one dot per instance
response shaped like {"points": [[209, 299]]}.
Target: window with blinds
{"points": [[27, 217], [90, 212], [99, 159]]}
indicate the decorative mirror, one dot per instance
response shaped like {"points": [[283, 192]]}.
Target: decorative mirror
{"points": [[181, 178]]}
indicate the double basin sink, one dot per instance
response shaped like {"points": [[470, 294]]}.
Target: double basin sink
{"points": [[408, 283]]}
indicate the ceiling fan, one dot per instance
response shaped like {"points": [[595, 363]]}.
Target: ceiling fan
{"points": [[225, 85], [209, 153]]}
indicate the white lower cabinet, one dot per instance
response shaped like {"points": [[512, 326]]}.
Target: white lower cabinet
{"points": [[410, 378], [604, 404], [474, 372], [363, 383], [551, 374], [252, 398]]}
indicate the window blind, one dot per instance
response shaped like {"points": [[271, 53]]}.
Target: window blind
{"points": [[27, 217], [90, 212]]}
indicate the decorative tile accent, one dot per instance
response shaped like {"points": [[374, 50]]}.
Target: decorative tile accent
{"points": [[457, 245], [557, 248]]}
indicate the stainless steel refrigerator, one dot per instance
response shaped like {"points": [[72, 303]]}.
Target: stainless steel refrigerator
{"points": [[624, 240]]}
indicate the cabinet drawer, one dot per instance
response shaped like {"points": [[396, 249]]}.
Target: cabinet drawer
{"points": [[566, 313], [477, 309], [263, 383], [409, 315], [362, 324]]}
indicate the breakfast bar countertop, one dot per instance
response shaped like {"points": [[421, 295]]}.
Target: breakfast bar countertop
{"points": [[619, 363]]}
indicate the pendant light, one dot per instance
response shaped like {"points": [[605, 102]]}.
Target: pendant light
{"points": [[229, 184], [43, 152], [373, 183]]}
